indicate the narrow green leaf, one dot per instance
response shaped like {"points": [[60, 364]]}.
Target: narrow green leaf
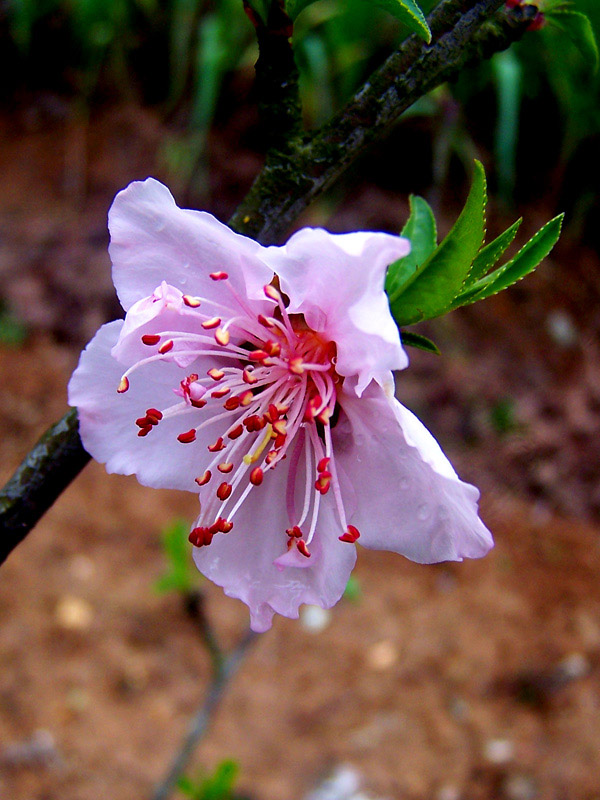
{"points": [[420, 229], [579, 29], [435, 283], [406, 11], [525, 261], [491, 253], [418, 341]]}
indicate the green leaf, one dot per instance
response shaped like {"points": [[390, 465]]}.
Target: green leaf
{"points": [[579, 29], [420, 229], [491, 253], [180, 575], [435, 283], [406, 11], [525, 261], [418, 341]]}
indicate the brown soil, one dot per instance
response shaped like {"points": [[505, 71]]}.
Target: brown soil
{"points": [[477, 680]]}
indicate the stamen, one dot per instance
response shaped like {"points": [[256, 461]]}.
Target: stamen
{"points": [[204, 479], [187, 437], [123, 385], [192, 302], [211, 323], [224, 491], [219, 276], [256, 476], [150, 339], [165, 347]]}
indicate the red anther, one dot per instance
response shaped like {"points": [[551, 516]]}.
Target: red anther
{"points": [[302, 548], [218, 393], [273, 413], [290, 544], [254, 423], [312, 407], [256, 476], [295, 365], [231, 403], [324, 416], [165, 347], [224, 490], [271, 456], [323, 483], [248, 377], [150, 338], [323, 464], [222, 337], [258, 355], [123, 385], [192, 302], [272, 348], [235, 432], [225, 525], [279, 440], [219, 276], [225, 467], [272, 293], [215, 374], [154, 413], [351, 535], [218, 445], [196, 536], [211, 323], [265, 321], [280, 427], [143, 422], [204, 479], [187, 436], [294, 532], [246, 397], [145, 431], [197, 403]]}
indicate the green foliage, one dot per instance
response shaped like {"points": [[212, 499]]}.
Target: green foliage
{"points": [[12, 331], [460, 271], [218, 786], [406, 11], [353, 591], [181, 576], [421, 230], [430, 288], [420, 342], [577, 27]]}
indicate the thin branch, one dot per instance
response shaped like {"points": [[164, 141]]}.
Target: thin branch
{"points": [[200, 722], [464, 31]]}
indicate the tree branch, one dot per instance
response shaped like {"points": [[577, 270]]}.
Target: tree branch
{"points": [[464, 31]]}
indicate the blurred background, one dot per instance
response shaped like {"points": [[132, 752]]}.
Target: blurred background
{"points": [[477, 680]]}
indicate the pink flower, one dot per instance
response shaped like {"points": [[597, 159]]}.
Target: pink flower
{"points": [[260, 377]]}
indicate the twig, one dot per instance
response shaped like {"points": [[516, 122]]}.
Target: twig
{"points": [[289, 181], [221, 677]]}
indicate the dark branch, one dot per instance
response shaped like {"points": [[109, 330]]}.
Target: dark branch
{"points": [[464, 31]]}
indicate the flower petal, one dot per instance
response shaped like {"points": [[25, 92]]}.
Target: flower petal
{"points": [[408, 498], [243, 561], [152, 239], [337, 282], [107, 419]]}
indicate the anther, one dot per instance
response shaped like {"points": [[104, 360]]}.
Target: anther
{"points": [[220, 392], [165, 347], [225, 525], [154, 414], [272, 348], [246, 398], [211, 323], [145, 430], [323, 464], [280, 427], [225, 467], [224, 491], [302, 548], [235, 432], [248, 377], [123, 385], [192, 302], [187, 436], [265, 321], [272, 293], [222, 337], [295, 366], [351, 535], [294, 532], [150, 338], [258, 355], [215, 374], [231, 403], [219, 276], [204, 479], [218, 445], [256, 476]]}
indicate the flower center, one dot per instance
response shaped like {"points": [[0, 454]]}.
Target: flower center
{"points": [[270, 391]]}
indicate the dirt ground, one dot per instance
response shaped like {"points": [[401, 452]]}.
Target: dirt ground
{"points": [[471, 681]]}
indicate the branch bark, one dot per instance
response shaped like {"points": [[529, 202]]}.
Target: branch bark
{"points": [[464, 31]]}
